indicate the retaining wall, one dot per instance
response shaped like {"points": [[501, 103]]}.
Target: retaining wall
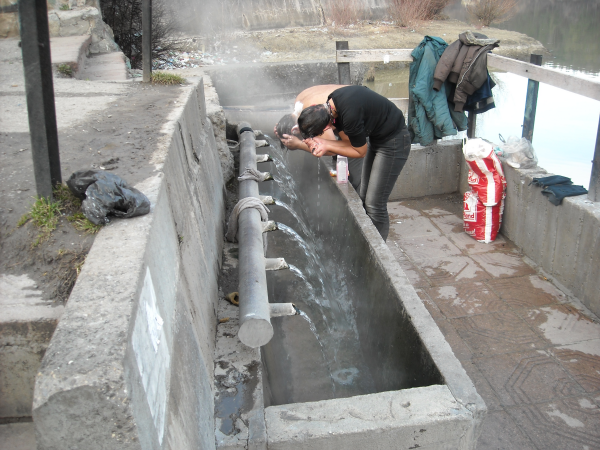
{"points": [[130, 365], [563, 240]]}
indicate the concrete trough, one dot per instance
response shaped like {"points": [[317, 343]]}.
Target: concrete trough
{"points": [[409, 390]]}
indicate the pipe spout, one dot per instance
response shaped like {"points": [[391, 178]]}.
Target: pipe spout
{"points": [[275, 264], [270, 225], [263, 158], [283, 309], [267, 199]]}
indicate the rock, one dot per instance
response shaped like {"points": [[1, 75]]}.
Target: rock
{"points": [[215, 113]]}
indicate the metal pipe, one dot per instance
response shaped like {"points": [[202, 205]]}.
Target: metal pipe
{"points": [[255, 313], [39, 88], [594, 190], [146, 41], [531, 103], [343, 67]]}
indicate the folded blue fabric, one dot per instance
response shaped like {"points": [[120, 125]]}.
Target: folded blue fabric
{"points": [[551, 181], [557, 192]]}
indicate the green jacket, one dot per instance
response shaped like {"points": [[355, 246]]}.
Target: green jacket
{"points": [[429, 116]]}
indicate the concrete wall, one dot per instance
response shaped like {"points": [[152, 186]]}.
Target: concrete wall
{"points": [[430, 170], [563, 240], [214, 15], [130, 364], [26, 326]]}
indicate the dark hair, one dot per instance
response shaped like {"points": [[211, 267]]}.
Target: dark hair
{"points": [[313, 121], [285, 125]]}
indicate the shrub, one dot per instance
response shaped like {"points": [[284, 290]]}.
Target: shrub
{"points": [[487, 12], [125, 19], [343, 12], [409, 12]]}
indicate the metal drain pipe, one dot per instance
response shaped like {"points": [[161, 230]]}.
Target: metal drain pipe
{"points": [[255, 312]]}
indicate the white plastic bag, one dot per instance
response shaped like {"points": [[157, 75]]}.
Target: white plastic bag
{"points": [[517, 152]]}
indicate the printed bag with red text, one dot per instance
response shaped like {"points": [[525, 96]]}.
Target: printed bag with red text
{"points": [[479, 221], [486, 176]]}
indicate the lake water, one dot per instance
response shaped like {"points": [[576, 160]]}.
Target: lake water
{"points": [[566, 124]]}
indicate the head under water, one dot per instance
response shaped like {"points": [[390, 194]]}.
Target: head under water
{"points": [[313, 121]]}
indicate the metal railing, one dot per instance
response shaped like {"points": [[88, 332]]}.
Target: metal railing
{"points": [[532, 70]]}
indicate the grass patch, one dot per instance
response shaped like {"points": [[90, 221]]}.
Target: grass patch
{"points": [[167, 78], [65, 7], [67, 199], [44, 215], [65, 69], [82, 223]]}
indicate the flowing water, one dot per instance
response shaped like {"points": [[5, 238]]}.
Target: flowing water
{"points": [[316, 285]]}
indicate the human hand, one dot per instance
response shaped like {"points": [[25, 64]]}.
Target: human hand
{"points": [[291, 141], [316, 146]]}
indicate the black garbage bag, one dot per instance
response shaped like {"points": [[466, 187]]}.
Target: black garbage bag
{"points": [[106, 194]]}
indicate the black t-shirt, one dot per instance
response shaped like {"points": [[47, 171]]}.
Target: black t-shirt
{"points": [[363, 112]]}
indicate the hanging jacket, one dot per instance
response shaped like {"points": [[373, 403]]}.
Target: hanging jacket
{"points": [[482, 99], [464, 63], [429, 116]]}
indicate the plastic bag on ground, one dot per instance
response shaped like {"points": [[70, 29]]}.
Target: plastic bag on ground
{"points": [[486, 176], [518, 153], [106, 194]]}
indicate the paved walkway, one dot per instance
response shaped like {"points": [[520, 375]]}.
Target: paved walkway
{"points": [[532, 350]]}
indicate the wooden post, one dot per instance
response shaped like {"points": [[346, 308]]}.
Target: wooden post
{"points": [[343, 68], [39, 88], [147, 40], [594, 190], [471, 124], [531, 102]]}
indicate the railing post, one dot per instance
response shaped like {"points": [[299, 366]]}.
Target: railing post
{"points": [[39, 88], [594, 190], [343, 68], [531, 102], [147, 40], [471, 124]]}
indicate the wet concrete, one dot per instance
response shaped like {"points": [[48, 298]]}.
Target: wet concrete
{"points": [[531, 348]]}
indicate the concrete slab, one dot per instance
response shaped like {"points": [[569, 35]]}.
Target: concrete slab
{"points": [[104, 67], [532, 351], [418, 418], [17, 436], [26, 326], [69, 50]]}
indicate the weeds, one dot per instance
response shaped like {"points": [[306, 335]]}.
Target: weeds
{"points": [[67, 199], [65, 7], [44, 214], [82, 223], [343, 12], [410, 12], [66, 70], [167, 78], [492, 11], [69, 267]]}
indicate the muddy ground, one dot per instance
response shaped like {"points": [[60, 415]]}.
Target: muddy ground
{"points": [[121, 133]]}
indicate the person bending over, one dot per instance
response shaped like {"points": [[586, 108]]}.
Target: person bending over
{"points": [[287, 132], [359, 113]]}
